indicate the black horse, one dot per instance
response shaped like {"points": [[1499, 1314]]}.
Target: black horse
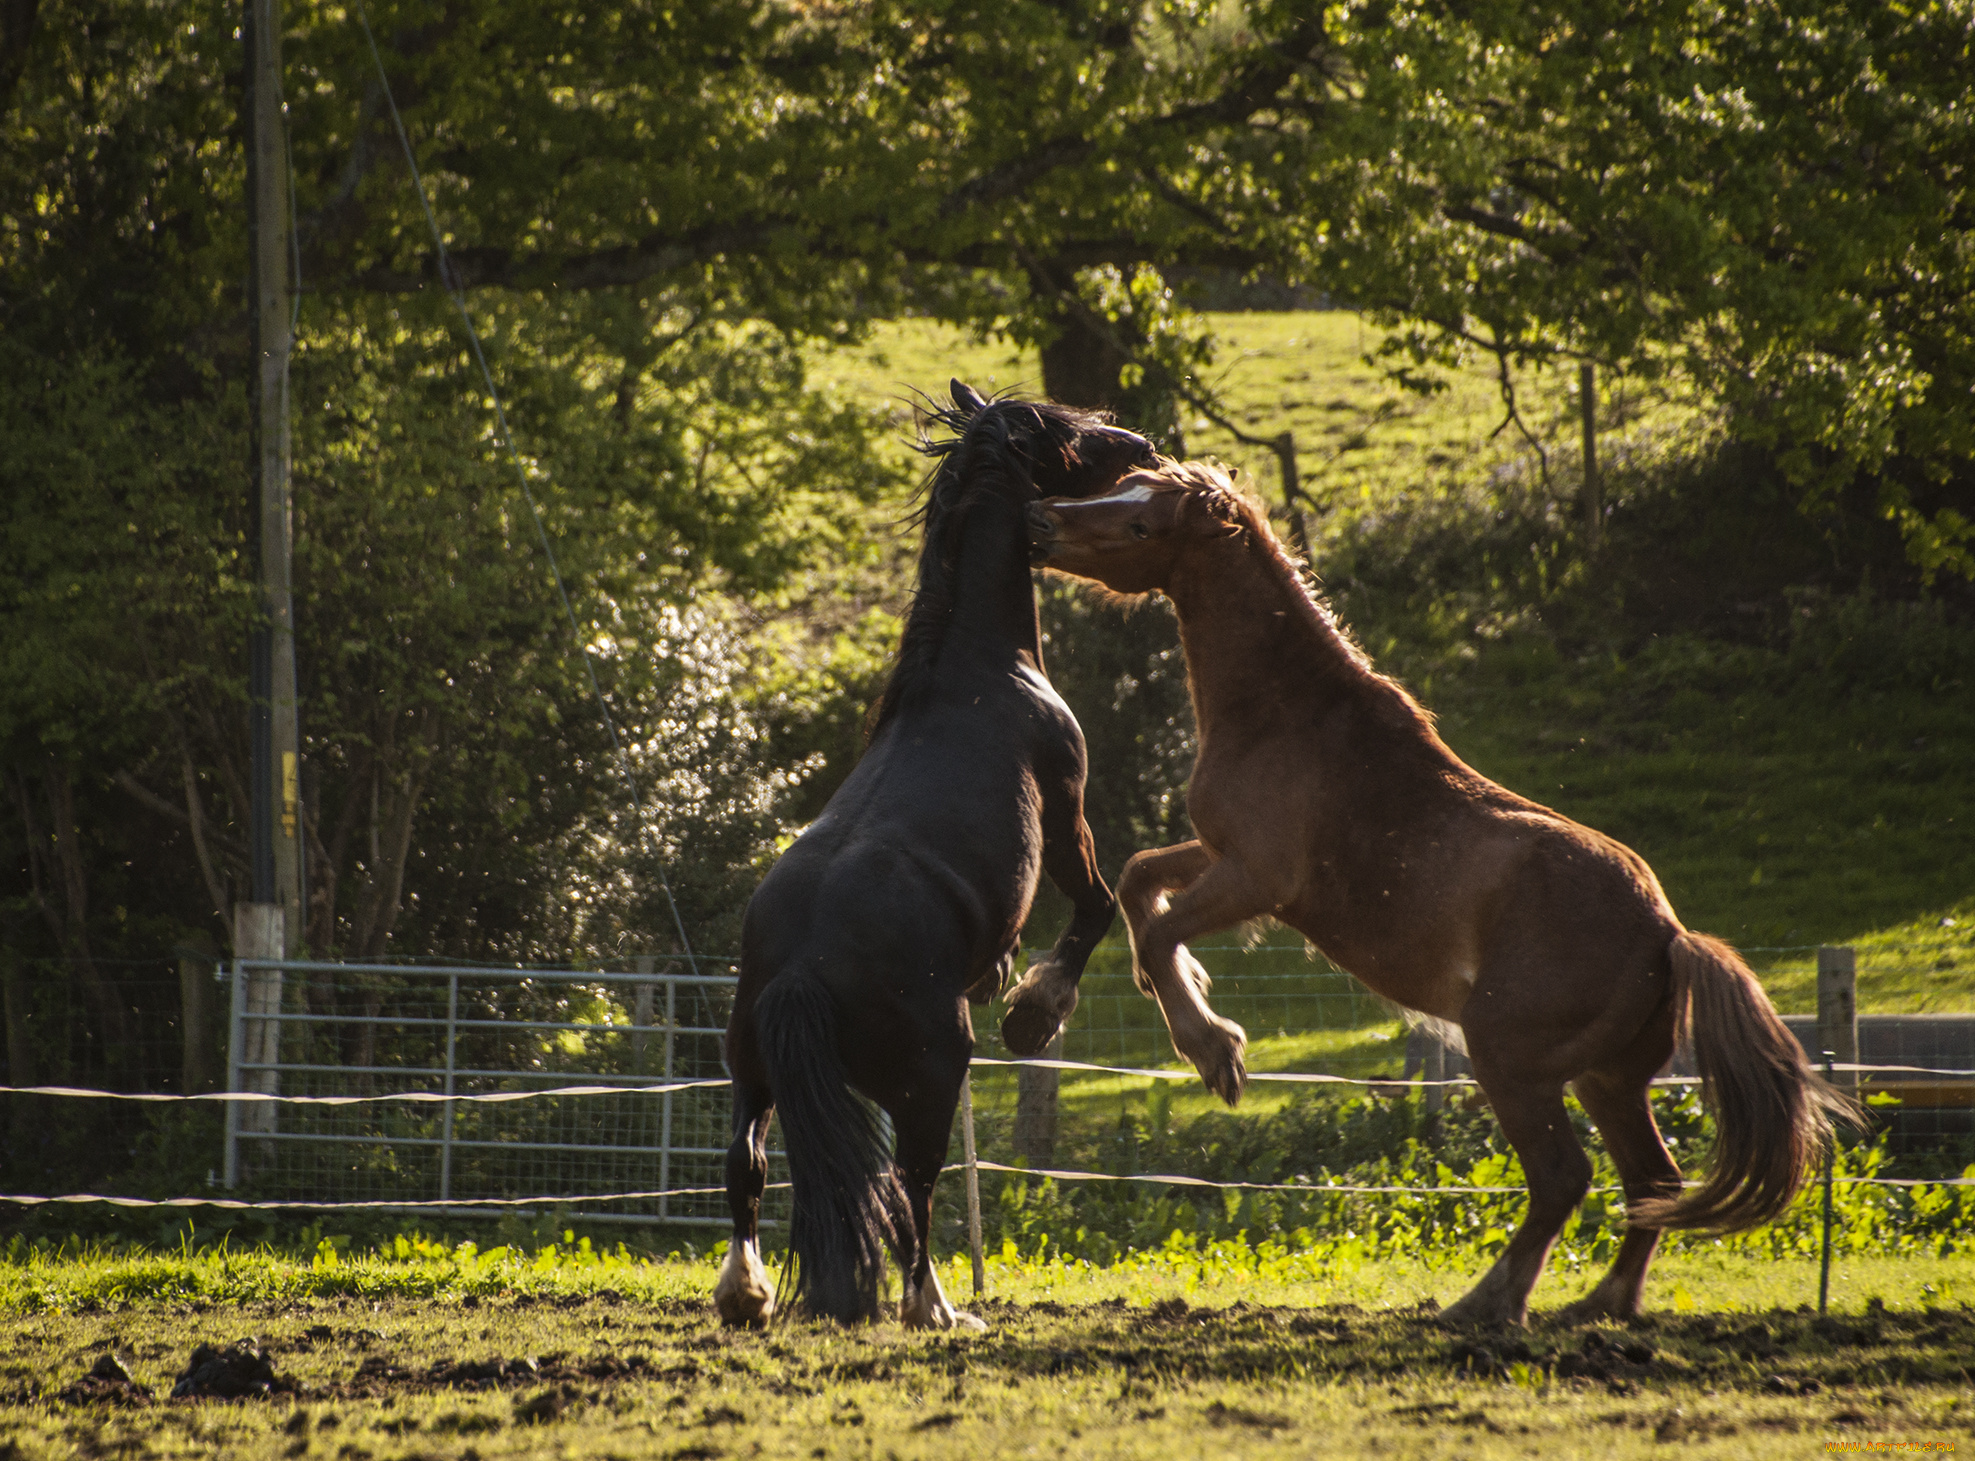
{"points": [[905, 899]]}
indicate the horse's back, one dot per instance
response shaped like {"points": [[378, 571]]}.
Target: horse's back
{"points": [[925, 860]]}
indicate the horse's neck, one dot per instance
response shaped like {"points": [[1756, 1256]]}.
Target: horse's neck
{"points": [[1248, 629], [994, 606]]}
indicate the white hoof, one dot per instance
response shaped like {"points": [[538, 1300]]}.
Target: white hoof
{"points": [[927, 1308], [745, 1295]]}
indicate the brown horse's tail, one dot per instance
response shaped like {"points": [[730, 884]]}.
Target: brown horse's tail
{"points": [[1772, 1112]]}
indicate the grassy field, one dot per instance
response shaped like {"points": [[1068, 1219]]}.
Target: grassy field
{"points": [[472, 1358], [1357, 433]]}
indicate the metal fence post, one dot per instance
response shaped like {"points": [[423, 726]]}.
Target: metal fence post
{"points": [[1830, 1164], [641, 997], [665, 1101], [452, 1062], [973, 1183], [236, 1039]]}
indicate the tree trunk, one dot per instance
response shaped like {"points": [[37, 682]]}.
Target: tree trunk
{"points": [[59, 886], [1083, 365]]}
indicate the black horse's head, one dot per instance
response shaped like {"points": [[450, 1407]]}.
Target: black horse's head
{"points": [[1002, 456], [1026, 450]]}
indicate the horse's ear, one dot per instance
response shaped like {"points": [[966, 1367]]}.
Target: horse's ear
{"points": [[966, 398]]}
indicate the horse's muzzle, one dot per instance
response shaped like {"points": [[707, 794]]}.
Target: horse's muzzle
{"points": [[1042, 533]]}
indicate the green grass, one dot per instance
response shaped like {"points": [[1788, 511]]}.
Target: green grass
{"points": [[1146, 1360], [1358, 434]]}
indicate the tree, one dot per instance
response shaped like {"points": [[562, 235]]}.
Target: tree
{"points": [[452, 759], [1773, 200], [650, 208]]}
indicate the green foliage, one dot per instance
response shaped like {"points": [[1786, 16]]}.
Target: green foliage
{"points": [[66, 1274], [1758, 199], [1317, 1142]]}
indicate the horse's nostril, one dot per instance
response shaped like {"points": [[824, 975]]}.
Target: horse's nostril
{"points": [[1139, 530]]}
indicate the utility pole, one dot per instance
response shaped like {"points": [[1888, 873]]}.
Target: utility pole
{"points": [[276, 811]]}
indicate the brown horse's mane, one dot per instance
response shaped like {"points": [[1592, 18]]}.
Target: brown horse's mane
{"points": [[1215, 491]]}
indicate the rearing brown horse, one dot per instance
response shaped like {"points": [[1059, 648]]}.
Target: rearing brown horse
{"points": [[1324, 798]]}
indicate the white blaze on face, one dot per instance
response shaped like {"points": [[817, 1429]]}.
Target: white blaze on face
{"points": [[1140, 493]]}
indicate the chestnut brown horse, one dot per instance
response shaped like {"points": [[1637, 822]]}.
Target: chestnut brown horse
{"points": [[1324, 798]]}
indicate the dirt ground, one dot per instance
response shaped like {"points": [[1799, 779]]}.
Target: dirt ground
{"points": [[612, 1375]]}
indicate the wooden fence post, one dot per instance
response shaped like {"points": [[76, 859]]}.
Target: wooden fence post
{"points": [[1035, 1106], [198, 1012], [1837, 1009], [973, 1184], [259, 933]]}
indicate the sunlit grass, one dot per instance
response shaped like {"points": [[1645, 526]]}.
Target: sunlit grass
{"points": [[1360, 437], [413, 1268]]}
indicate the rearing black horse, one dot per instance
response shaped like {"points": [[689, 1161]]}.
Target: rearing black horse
{"points": [[906, 897]]}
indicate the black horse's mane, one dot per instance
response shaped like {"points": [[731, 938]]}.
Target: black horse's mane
{"points": [[991, 453]]}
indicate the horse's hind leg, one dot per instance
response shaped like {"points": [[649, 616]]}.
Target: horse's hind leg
{"points": [[924, 1126], [1148, 877], [745, 1294], [1559, 1174], [1620, 1105]]}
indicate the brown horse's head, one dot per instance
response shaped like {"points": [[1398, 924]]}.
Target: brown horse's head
{"points": [[1130, 538]]}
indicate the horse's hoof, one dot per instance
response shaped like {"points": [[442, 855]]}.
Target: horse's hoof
{"points": [[1478, 1316], [1234, 1081], [1592, 1310], [1223, 1065], [744, 1298], [1027, 1029], [969, 1323]]}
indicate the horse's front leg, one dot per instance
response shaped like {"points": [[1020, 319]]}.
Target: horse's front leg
{"points": [[1213, 895], [1045, 997], [1148, 878]]}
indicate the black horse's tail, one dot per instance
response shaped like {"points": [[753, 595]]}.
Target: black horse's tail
{"points": [[849, 1215]]}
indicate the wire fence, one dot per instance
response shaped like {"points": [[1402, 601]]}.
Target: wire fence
{"points": [[478, 1089], [644, 1047], [114, 1024]]}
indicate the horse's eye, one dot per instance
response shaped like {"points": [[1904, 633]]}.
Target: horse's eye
{"points": [[1139, 530]]}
